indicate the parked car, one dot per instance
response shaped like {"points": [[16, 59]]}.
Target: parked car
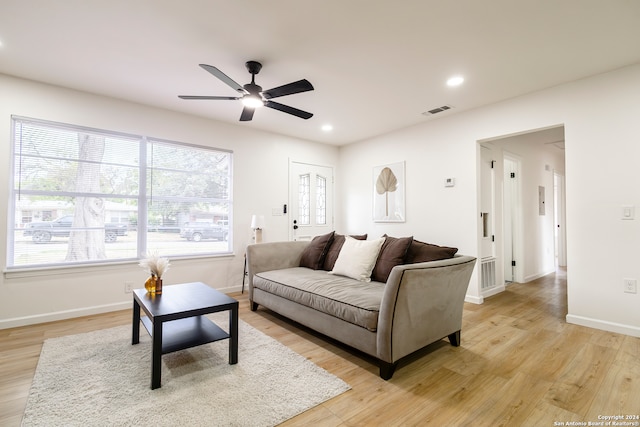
{"points": [[196, 231], [43, 231]]}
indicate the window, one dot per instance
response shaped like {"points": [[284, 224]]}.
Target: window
{"points": [[81, 195]]}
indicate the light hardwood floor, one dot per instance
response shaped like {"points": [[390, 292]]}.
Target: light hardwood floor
{"points": [[520, 364]]}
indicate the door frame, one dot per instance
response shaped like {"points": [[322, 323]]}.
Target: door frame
{"points": [[487, 203]]}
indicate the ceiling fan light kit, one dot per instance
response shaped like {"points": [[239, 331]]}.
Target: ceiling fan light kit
{"points": [[252, 101], [252, 95]]}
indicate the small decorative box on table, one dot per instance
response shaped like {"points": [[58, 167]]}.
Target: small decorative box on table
{"points": [[175, 320]]}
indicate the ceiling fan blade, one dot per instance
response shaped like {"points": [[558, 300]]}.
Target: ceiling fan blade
{"points": [[226, 98], [286, 109], [288, 89], [222, 76], [247, 114]]}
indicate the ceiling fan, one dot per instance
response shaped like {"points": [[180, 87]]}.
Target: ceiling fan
{"points": [[253, 96]]}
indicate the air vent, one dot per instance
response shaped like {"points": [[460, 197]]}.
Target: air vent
{"points": [[437, 110], [488, 273]]}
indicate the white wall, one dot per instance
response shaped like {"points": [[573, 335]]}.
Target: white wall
{"points": [[434, 213], [602, 131], [261, 162], [601, 116]]}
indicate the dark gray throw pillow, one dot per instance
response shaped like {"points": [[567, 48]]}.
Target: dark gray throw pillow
{"points": [[423, 252], [393, 252], [314, 254]]}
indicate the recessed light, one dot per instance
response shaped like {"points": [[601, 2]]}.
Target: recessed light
{"points": [[327, 128], [455, 81]]}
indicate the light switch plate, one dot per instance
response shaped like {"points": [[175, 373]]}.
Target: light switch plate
{"points": [[628, 212]]}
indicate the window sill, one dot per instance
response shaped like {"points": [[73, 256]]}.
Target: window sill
{"points": [[19, 273]]}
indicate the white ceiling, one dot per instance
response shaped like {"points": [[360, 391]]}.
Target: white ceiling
{"points": [[376, 65]]}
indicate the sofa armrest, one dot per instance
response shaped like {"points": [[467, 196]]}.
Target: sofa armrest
{"points": [[421, 304], [272, 256]]}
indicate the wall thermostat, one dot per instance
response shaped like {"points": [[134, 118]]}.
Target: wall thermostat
{"points": [[449, 182]]}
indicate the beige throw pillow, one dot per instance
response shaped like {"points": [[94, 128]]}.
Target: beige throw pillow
{"points": [[334, 249], [357, 258]]}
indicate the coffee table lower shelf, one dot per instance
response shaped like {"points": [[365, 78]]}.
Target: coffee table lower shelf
{"points": [[185, 333]]}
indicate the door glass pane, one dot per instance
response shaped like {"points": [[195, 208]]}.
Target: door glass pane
{"points": [[321, 200], [304, 189]]}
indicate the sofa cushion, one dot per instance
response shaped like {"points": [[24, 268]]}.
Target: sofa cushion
{"points": [[313, 255], [423, 252], [357, 258], [348, 299], [393, 252], [334, 249]]}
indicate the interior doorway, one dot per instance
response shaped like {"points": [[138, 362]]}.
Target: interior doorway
{"points": [[529, 227]]}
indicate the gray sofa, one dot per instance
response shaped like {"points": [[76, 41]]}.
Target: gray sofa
{"points": [[420, 303]]}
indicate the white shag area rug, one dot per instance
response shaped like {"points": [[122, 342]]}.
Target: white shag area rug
{"points": [[100, 379]]}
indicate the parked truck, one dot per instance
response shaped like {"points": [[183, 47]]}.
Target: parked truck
{"points": [[43, 231], [196, 231]]}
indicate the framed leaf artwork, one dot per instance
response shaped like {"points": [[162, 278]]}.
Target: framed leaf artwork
{"points": [[388, 193]]}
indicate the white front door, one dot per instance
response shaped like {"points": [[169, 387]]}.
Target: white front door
{"points": [[310, 200]]}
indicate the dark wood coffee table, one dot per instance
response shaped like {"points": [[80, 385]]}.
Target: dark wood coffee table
{"points": [[175, 320]]}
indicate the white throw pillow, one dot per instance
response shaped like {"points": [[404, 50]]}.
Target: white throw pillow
{"points": [[357, 258]]}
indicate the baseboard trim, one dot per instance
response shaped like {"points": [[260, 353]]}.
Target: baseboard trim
{"points": [[63, 315], [537, 276], [493, 291], [80, 312], [474, 300], [604, 325]]}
